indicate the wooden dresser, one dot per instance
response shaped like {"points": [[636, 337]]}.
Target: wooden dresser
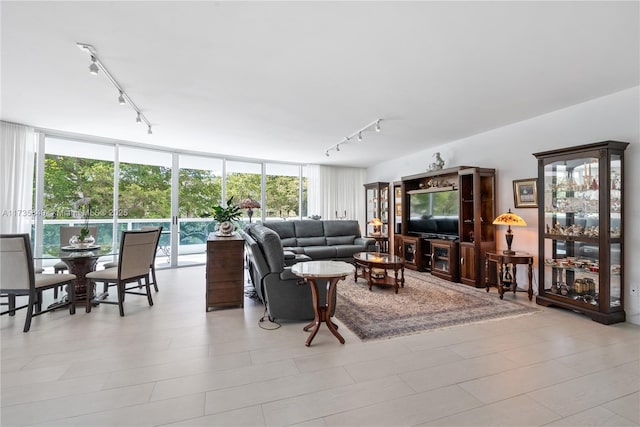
{"points": [[225, 271]]}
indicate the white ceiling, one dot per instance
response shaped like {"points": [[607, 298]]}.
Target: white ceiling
{"points": [[284, 80]]}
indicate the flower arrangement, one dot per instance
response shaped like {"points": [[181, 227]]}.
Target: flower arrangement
{"points": [[85, 203]]}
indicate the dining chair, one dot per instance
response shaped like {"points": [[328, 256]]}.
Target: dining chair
{"points": [[18, 278], [137, 249], [114, 264]]}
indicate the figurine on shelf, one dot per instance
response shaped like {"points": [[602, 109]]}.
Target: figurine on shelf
{"points": [[594, 184], [438, 164]]}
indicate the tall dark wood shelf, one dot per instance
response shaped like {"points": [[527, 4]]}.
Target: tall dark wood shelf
{"points": [[378, 205], [581, 229], [476, 233]]}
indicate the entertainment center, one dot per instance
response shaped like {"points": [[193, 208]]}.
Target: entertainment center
{"points": [[443, 222]]}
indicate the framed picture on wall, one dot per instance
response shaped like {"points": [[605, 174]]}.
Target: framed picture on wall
{"points": [[525, 193]]}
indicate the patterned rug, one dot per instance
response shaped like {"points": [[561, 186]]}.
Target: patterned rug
{"points": [[424, 303]]}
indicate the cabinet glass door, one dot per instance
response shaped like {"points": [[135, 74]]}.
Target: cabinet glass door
{"points": [[572, 219], [372, 207], [440, 258], [615, 234]]}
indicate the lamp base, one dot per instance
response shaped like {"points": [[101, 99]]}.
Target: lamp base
{"points": [[508, 252]]}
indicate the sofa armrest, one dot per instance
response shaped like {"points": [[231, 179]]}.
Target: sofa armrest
{"points": [[365, 242], [286, 274]]}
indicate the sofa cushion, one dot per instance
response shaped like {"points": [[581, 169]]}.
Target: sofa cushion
{"points": [[320, 252], [346, 251], [340, 240], [311, 241], [341, 228], [285, 229], [309, 229], [288, 241]]}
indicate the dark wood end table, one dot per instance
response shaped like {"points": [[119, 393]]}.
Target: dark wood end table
{"points": [[502, 261], [381, 241], [334, 271]]}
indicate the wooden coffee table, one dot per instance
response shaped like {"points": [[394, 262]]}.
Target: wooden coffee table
{"points": [[373, 268]]}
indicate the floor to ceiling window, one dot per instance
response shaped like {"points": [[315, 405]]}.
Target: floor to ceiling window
{"points": [[128, 187], [243, 180], [199, 189], [144, 191], [282, 195], [78, 188]]}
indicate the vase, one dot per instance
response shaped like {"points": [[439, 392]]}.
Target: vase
{"points": [[225, 229], [88, 241]]}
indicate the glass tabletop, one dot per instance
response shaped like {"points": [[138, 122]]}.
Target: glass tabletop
{"points": [[377, 257], [67, 252]]}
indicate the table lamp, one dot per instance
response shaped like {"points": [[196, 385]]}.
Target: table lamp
{"points": [[376, 226], [249, 204], [509, 219]]}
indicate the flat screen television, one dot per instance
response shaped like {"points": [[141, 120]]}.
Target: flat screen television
{"points": [[434, 214]]}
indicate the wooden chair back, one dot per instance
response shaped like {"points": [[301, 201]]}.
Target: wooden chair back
{"points": [[16, 262], [137, 250]]}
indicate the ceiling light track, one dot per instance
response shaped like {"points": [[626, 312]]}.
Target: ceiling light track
{"points": [[355, 136], [96, 66]]}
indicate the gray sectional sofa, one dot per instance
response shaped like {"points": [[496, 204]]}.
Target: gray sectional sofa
{"points": [[269, 262], [329, 239]]}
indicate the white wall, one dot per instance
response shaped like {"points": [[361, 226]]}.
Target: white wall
{"points": [[509, 150]]}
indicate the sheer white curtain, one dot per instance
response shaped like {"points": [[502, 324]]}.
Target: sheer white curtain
{"points": [[336, 192], [17, 158]]}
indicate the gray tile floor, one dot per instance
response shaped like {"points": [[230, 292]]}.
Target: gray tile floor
{"points": [[175, 364]]}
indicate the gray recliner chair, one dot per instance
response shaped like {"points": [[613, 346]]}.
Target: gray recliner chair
{"points": [[284, 294]]}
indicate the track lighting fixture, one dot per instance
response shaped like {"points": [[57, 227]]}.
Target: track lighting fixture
{"points": [[97, 65], [93, 68], [373, 125]]}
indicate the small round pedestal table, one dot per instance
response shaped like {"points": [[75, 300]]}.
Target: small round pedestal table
{"points": [[333, 271]]}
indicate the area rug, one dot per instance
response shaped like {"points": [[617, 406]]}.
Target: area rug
{"points": [[425, 303]]}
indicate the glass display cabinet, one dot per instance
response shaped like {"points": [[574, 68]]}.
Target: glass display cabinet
{"points": [[377, 207], [580, 199]]}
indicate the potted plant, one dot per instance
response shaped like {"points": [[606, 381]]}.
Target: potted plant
{"points": [[226, 216]]}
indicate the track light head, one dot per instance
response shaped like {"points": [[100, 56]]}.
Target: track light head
{"points": [[338, 147], [326, 153], [378, 126], [359, 136], [121, 99], [149, 130], [138, 119], [93, 68]]}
